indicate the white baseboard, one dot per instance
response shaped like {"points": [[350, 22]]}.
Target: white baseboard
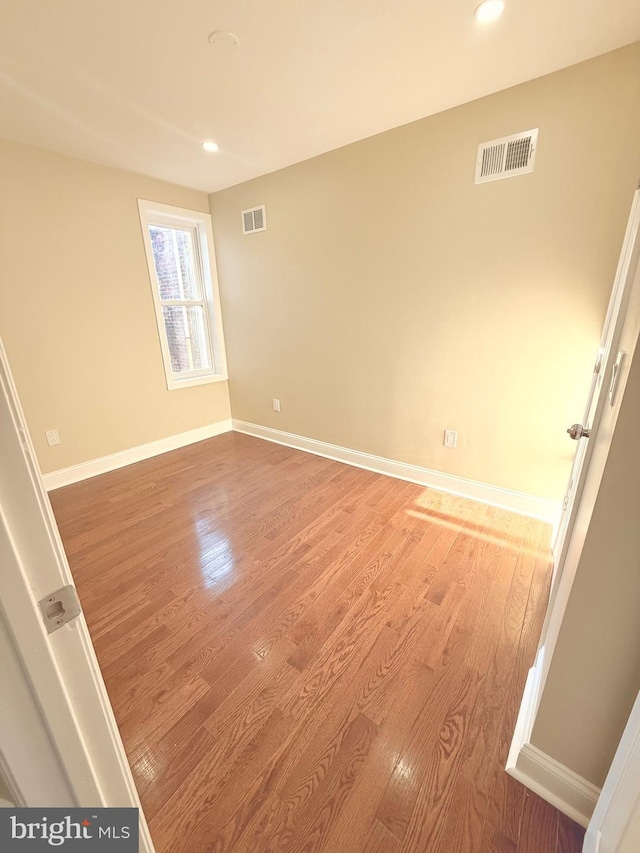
{"points": [[551, 780], [75, 473], [555, 783], [528, 708], [518, 502]]}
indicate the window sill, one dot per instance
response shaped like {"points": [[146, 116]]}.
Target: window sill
{"points": [[189, 382]]}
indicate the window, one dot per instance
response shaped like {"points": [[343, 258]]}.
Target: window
{"points": [[179, 247]]}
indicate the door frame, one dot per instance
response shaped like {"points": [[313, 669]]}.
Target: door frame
{"points": [[620, 797], [64, 685], [523, 756]]}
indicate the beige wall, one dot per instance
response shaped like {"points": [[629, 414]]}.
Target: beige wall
{"points": [[391, 298], [4, 790], [76, 311], [595, 673]]}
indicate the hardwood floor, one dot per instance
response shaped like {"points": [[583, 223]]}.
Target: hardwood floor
{"points": [[305, 656]]}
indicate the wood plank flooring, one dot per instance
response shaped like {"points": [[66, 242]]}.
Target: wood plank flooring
{"points": [[305, 656]]}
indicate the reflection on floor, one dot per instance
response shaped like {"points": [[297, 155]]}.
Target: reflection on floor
{"points": [[305, 656]]}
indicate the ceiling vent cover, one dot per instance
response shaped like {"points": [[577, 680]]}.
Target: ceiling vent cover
{"points": [[506, 157], [254, 219]]}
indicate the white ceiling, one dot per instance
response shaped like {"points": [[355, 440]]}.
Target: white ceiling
{"points": [[135, 83]]}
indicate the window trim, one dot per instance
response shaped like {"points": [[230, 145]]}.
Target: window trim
{"points": [[154, 213]]}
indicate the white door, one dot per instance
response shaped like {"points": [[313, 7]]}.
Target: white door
{"points": [[59, 743], [617, 346], [615, 824], [619, 339], [608, 363]]}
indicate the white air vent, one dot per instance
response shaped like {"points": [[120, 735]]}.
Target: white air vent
{"points": [[506, 157], [254, 219]]}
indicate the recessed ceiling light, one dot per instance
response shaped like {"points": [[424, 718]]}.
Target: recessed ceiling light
{"points": [[489, 11], [211, 147]]}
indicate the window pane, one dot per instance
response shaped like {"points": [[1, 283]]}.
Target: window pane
{"points": [[174, 259], [187, 337]]}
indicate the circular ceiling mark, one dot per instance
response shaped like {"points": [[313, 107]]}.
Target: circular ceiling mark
{"points": [[223, 39]]}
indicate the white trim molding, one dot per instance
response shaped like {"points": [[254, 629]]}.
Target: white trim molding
{"points": [[528, 709], [518, 502], [619, 802], [206, 280], [84, 470], [567, 791]]}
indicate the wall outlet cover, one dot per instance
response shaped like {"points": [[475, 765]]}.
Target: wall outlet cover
{"points": [[52, 437], [450, 438]]}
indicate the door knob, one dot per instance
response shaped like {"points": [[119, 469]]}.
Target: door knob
{"points": [[578, 431]]}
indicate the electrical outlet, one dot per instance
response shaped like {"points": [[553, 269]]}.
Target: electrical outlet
{"points": [[276, 405], [52, 437], [450, 438]]}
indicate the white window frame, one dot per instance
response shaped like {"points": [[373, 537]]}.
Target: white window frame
{"points": [[153, 213]]}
